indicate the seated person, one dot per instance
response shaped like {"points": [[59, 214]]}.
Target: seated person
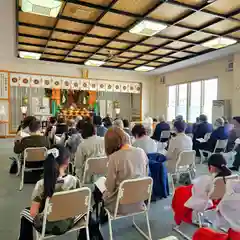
{"points": [[107, 121], [161, 126], [91, 146], [177, 144], [228, 211], [195, 197], [61, 126], [97, 122], [125, 162], [143, 141], [54, 180], [188, 125], [220, 133], [194, 126], [119, 123], [126, 127], [202, 128], [34, 140], [23, 129]]}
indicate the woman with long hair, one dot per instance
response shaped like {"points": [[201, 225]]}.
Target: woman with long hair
{"points": [[55, 180], [195, 197]]}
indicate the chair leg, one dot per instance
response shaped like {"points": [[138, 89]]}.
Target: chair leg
{"points": [[177, 229], [87, 233], [199, 220], [149, 236], [19, 167], [173, 185], [190, 176], [110, 227], [22, 180], [201, 156]]}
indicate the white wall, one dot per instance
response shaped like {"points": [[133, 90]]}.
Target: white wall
{"points": [[208, 70], [8, 60]]}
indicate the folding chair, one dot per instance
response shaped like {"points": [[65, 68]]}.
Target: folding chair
{"points": [[76, 202], [165, 135], [95, 166], [190, 135], [220, 145], [185, 163], [35, 154], [133, 191], [169, 238]]}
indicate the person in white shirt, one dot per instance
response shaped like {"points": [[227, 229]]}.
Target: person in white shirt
{"points": [[91, 146], [142, 140], [181, 142]]}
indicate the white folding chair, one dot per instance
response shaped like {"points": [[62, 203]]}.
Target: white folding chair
{"points": [[165, 135], [31, 155], [190, 135], [220, 144], [130, 192], [169, 238], [76, 202], [95, 166], [185, 163]]}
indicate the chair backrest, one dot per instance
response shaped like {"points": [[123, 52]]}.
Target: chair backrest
{"points": [[221, 144], [95, 166], [219, 187], [68, 204], [186, 159], [207, 136], [35, 154], [165, 134], [134, 191]]}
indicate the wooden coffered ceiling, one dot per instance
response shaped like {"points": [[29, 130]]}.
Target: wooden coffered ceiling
{"points": [[99, 29]]}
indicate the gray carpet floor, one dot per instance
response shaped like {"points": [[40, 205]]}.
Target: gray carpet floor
{"points": [[12, 201]]}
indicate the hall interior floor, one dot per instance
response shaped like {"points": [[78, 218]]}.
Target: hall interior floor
{"points": [[12, 201]]}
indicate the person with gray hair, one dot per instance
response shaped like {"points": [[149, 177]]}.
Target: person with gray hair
{"points": [[119, 123], [161, 126], [220, 133]]}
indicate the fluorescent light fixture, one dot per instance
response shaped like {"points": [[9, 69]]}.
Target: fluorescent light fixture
{"points": [[219, 42], [144, 68], [147, 28], [29, 55], [48, 8], [94, 63]]}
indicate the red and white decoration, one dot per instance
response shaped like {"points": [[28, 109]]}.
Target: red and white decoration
{"points": [[28, 80], [36, 81]]}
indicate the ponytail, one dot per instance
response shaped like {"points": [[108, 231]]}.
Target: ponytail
{"points": [[225, 171], [51, 172]]}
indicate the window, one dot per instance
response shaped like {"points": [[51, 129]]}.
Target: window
{"points": [[182, 100], [210, 94], [171, 103], [195, 101], [192, 99]]}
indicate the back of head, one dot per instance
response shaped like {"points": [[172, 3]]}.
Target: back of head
{"points": [[218, 161], [219, 122], [203, 118], [179, 126], [27, 120], [114, 139], [161, 118], [118, 123], [125, 123], [225, 120], [97, 120], [80, 125], [57, 157], [52, 120], [139, 131], [88, 130], [60, 120], [34, 126], [236, 120], [71, 123], [179, 118]]}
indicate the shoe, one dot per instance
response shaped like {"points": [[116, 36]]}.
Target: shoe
{"points": [[233, 168]]}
